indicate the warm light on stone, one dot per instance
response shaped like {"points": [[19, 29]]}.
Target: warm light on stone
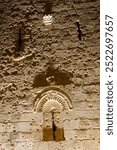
{"points": [[47, 19], [49, 75]]}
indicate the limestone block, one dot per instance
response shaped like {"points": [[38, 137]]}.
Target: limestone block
{"points": [[79, 96], [4, 137], [23, 145], [20, 127], [91, 89], [76, 114], [23, 127], [26, 136], [15, 136], [3, 127], [77, 145], [15, 117], [88, 105], [26, 109], [93, 134], [55, 145], [92, 97], [36, 126], [88, 134], [72, 145], [92, 80], [65, 145], [35, 145], [77, 81], [97, 71], [89, 124], [86, 114], [91, 144], [37, 136], [7, 146], [32, 117], [10, 127], [71, 124], [41, 145], [70, 135]]}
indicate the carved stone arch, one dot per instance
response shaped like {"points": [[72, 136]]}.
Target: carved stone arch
{"points": [[52, 106], [50, 94], [52, 101]]}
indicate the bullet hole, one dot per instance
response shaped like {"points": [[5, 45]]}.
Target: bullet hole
{"points": [[78, 30]]}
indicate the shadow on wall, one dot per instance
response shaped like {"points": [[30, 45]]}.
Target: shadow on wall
{"points": [[52, 77]]}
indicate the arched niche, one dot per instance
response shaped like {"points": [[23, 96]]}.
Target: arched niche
{"points": [[52, 101], [52, 93]]}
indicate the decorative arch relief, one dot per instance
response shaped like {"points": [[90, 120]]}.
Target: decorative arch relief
{"points": [[52, 101], [52, 97]]}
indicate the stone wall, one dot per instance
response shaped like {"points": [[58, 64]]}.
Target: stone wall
{"points": [[31, 54]]}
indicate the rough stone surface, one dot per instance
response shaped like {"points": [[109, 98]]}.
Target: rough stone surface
{"points": [[34, 56]]}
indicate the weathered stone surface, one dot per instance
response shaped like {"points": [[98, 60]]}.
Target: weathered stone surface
{"points": [[33, 57]]}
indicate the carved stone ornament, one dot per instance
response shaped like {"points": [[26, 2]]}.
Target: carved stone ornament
{"points": [[47, 20], [52, 99]]}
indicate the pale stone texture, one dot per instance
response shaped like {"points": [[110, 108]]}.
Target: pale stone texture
{"points": [[75, 66]]}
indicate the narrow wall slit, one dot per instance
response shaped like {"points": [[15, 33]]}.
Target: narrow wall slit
{"points": [[19, 39], [19, 42], [53, 126], [79, 30]]}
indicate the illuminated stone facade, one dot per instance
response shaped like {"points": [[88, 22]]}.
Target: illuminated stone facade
{"points": [[49, 75]]}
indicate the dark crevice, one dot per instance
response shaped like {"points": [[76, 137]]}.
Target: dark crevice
{"points": [[79, 31], [19, 42], [20, 39], [53, 127]]}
